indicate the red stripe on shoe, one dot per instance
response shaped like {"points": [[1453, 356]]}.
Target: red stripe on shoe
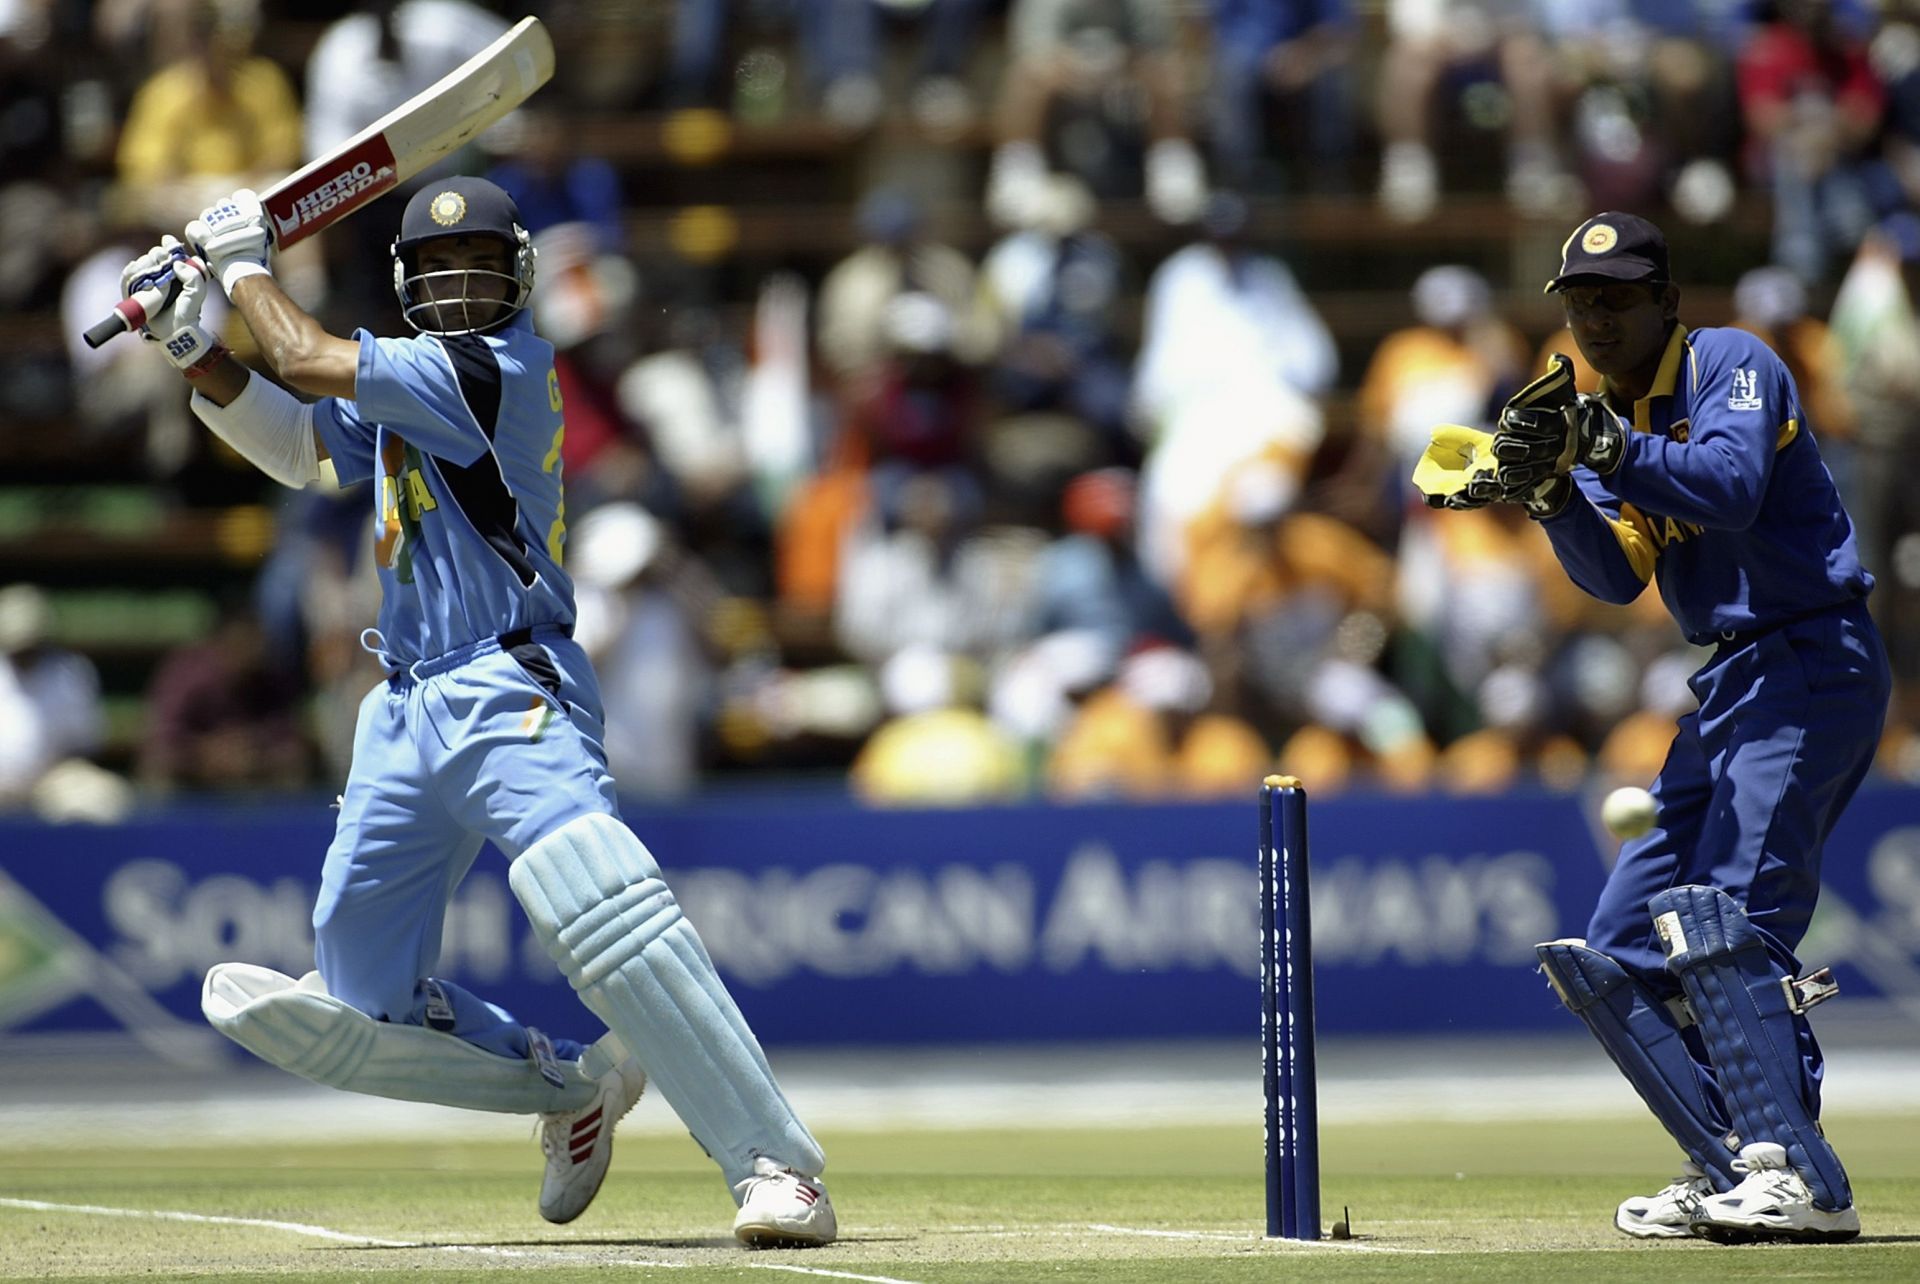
{"points": [[589, 1121], [580, 1156], [808, 1194]]}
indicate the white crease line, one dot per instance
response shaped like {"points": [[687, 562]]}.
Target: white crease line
{"points": [[297, 1228], [1161, 1234], [373, 1241], [837, 1275], [1344, 1245]]}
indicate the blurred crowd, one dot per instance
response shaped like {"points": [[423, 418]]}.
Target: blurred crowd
{"points": [[1062, 516]]}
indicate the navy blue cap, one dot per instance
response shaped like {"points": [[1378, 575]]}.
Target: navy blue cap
{"points": [[459, 206], [1612, 247]]}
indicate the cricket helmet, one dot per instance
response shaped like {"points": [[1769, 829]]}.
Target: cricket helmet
{"points": [[460, 206]]}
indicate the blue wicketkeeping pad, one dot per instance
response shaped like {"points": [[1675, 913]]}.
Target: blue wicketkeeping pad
{"points": [[1742, 1002]]}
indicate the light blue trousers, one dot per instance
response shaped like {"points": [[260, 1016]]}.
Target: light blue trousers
{"points": [[478, 745]]}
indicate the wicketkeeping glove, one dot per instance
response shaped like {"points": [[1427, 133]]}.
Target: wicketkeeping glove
{"points": [[233, 237], [175, 325], [1457, 469], [1547, 428]]}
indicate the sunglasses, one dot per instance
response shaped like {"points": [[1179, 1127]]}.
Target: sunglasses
{"points": [[1622, 296]]}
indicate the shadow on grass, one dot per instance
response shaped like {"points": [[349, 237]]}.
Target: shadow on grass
{"points": [[627, 1242], [1858, 1241]]}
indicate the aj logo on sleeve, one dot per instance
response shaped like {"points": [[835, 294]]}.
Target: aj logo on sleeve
{"points": [[1746, 390]]}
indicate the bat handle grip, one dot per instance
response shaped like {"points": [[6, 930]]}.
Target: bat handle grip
{"points": [[129, 314], [114, 323]]}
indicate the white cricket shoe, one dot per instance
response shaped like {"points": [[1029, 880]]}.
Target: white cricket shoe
{"points": [[781, 1209], [1667, 1213], [578, 1144], [1772, 1203]]}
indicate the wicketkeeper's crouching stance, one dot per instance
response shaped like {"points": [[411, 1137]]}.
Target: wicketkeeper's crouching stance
{"points": [[1696, 466], [487, 727]]}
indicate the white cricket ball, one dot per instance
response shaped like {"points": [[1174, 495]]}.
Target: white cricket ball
{"points": [[1629, 812]]}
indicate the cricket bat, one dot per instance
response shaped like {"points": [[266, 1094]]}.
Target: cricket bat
{"points": [[432, 124]]}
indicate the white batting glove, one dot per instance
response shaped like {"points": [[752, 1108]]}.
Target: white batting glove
{"points": [[148, 269], [175, 325], [188, 346], [233, 237]]}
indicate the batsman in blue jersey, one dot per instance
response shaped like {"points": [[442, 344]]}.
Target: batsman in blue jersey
{"points": [[488, 726], [1695, 468]]}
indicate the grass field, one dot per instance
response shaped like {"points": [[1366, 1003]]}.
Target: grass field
{"points": [[1429, 1202]]}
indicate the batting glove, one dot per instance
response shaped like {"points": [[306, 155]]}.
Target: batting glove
{"points": [[175, 325], [233, 237], [148, 269]]}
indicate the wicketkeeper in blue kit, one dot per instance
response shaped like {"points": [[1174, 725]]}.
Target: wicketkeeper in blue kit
{"points": [[488, 726], [1695, 466]]}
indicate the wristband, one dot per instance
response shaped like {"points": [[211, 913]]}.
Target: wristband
{"points": [[215, 355], [239, 270]]}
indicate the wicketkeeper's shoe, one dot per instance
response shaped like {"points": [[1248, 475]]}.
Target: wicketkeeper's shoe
{"points": [[578, 1144], [1667, 1213], [781, 1209], [1772, 1203]]}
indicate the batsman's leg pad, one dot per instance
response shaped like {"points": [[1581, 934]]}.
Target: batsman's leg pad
{"points": [[1740, 999], [599, 905], [298, 1026], [1643, 1038]]}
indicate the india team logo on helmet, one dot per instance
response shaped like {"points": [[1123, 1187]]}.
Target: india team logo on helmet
{"points": [[462, 300], [447, 209], [1599, 239]]}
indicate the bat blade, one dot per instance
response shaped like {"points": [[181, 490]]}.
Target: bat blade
{"points": [[426, 128], [431, 125]]}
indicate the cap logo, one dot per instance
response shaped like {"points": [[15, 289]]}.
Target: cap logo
{"points": [[1599, 239], [449, 208]]}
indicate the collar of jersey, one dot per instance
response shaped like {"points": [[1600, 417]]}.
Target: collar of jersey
{"points": [[1665, 380]]}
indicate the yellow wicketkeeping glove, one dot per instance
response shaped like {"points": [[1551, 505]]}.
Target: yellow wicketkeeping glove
{"points": [[1457, 469]]}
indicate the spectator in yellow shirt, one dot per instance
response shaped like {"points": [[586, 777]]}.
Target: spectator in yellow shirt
{"points": [[221, 115]]}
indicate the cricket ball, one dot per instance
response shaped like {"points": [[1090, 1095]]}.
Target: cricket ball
{"points": [[1629, 812]]}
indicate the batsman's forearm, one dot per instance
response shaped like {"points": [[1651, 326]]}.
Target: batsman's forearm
{"points": [[296, 347], [223, 383], [269, 428]]}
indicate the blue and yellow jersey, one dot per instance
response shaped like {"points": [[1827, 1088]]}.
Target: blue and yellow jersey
{"points": [[463, 433], [1721, 496]]}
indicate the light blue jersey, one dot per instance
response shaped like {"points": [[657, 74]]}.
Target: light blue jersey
{"points": [[464, 433]]}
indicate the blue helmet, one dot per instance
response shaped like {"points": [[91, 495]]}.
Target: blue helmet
{"points": [[460, 206]]}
